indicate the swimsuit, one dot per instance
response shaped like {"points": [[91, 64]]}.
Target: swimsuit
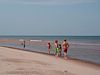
{"points": [[48, 47], [57, 50], [65, 50]]}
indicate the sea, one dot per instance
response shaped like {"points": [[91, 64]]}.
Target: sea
{"points": [[86, 48]]}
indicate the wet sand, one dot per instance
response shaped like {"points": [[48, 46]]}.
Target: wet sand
{"points": [[18, 62]]}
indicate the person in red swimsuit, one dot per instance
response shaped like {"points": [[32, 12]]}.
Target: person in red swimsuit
{"points": [[49, 47], [65, 48]]}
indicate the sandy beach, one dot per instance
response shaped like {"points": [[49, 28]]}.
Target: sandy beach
{"points": [[18, 62]]}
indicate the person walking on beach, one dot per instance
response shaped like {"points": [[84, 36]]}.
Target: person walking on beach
{"points": [[57, 50], [56, 46], [49, 47], [65, 48]]}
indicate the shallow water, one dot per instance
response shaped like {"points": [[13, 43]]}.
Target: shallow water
{"points": [[84, 48]]}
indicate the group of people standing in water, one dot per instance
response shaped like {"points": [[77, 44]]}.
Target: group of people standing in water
{"points": [[59, 47]]}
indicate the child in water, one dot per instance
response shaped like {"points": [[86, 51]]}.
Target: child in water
{"points": [[60, 49], [49, 47], [56, 47]]}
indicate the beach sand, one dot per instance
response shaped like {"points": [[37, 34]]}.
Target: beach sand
{"points": [[18, 62]]}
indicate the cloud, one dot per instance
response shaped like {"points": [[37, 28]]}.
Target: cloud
{"points": [[66, 2]]}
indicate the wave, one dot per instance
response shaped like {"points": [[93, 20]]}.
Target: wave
{"points": [[36, 40]]}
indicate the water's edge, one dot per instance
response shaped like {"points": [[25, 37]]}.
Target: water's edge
{"points": [[69, 58]]}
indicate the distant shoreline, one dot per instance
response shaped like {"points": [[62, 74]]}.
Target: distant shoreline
{"points": [[50, 35]]}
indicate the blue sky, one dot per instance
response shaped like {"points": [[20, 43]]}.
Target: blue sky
{"points": [[50, 17]]}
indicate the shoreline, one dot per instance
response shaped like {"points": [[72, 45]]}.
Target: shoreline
{"points": [[21, 62], [83, 53], [69, 58]]}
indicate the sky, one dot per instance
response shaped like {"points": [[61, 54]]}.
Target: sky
{"points": [[50, 17]]}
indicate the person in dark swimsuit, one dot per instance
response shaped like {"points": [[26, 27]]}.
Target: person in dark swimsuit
{"points": [[24, 43]]}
